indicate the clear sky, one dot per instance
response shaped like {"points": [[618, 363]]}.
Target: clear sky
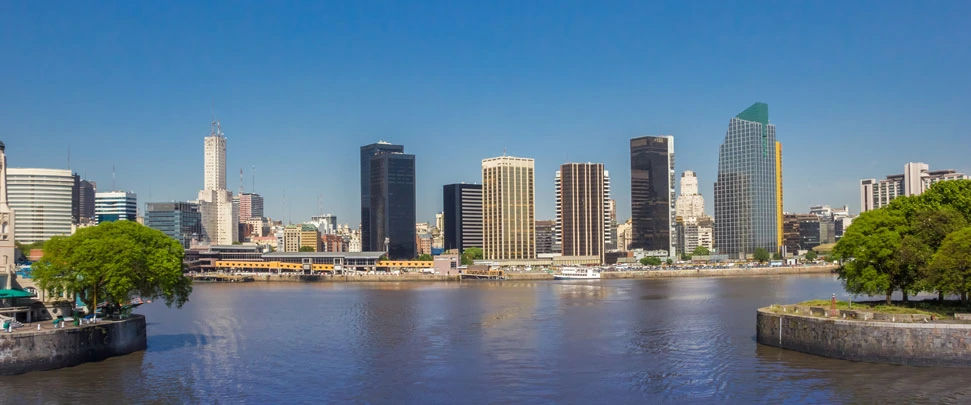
{"points": [[856, 90]]}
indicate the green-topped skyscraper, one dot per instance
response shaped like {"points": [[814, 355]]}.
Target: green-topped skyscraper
{"points": [[748, 191]]}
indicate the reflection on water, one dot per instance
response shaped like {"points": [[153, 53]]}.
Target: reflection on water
{"points": [[608, 341]]}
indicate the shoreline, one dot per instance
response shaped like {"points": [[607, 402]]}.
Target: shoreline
{"points": [[516, 276]]}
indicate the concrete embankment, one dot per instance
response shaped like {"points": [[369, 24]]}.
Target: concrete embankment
{"points": [[28, 350], [732, 272], [512, 275], [910, 343]]}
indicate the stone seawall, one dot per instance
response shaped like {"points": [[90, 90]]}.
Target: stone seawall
{"points": [[913, 344], [31, 350]]}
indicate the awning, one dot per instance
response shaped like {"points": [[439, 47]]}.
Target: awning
{"points": [[14, 294]]}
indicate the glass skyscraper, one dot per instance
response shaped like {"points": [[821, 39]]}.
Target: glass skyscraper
{"points": [[392, 208], [181, 221], [463, 216], [367, 152], [652, 193], [748, 191]]}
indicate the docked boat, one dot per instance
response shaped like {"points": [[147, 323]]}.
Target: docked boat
{"points": [[574, 273]]}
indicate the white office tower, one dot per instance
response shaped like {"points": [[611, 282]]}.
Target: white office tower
{"points": [[219, 221], [689, 204]]}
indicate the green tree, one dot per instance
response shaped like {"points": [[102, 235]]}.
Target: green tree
{"points": [[669, 261], [114, 262], [952, 264], [701, 251], [470, 255], [868, 252], [685, 257], [928, 228], [955, 194], [651, 261], [425, 257], [761, 255], [777, 256], [810, 255], [306, 249]]}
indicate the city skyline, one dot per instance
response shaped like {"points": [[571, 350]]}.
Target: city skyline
{"points": [[480, 97]]}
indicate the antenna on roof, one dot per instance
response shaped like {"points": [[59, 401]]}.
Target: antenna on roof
{"points": [[503, 151], [113, 177], [241, 181]]}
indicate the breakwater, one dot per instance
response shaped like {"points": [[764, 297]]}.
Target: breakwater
{"points": [[28, 350], [912, 342]]}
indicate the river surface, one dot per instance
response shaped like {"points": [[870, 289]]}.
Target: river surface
{"points": [[689, 340]]}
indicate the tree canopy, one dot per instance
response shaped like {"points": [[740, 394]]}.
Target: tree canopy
{"points": [[900, 247], [115, 262], [951, 264], [810, 255], [425, 257], [700, 251], [651, 261], [761, 255], [470, 255], [306, 249]]}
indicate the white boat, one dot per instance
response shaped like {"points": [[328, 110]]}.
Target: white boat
{"points": [[574, 273]]}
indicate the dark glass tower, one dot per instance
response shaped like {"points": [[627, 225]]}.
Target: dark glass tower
{"points": [[652, 193], [392, 208], [748, 188], [181, 221], [367, 152], [463, 216]]}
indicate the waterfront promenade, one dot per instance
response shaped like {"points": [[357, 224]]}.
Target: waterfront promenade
{"points": [[537, 275]]}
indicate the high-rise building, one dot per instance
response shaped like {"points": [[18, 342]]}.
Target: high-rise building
{"points": [[462, 219], [611, 241], [748, 191], [250, 206], [7, 228], [112, 206], [181, 221], [690, 204], [916, 179], [508, 208], [367, 152], [42, 200], [219, 217], [652, 193], [86, 193], [544, 237], [694, 227], [392, 208], [582, 224]]}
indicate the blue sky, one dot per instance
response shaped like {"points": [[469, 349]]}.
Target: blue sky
{"points": [[856, 90]]}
